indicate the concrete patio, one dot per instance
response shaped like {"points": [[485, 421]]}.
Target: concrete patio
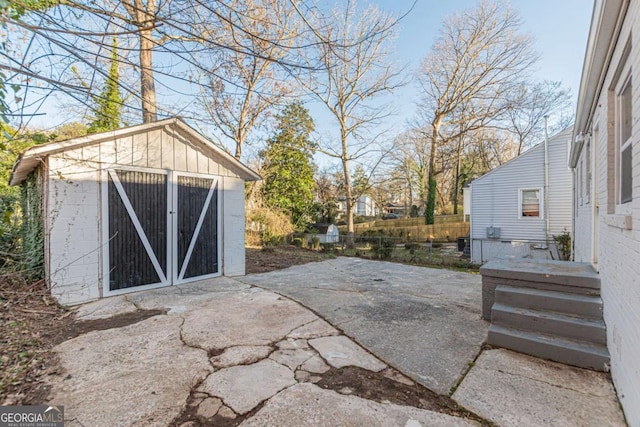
{"points": [[227, 352]]}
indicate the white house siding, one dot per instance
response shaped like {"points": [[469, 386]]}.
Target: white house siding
{"points": [[583, 212], [73, 229], [233, 226], [495, 203], [619, 248], [365, 206]]}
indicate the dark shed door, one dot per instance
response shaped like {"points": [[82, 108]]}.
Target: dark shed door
{"points": [[137, 204], [196, 244]]}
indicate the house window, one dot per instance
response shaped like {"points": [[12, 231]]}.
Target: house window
{"points": [[624, 123], [530, 203]]}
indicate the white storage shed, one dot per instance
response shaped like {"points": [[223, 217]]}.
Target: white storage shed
{"points": [[137, 208]]}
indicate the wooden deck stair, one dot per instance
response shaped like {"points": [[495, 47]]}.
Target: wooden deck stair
{"points": [[548, 309]]}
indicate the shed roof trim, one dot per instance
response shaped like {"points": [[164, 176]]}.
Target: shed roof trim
{"points": [[30, 158], [565, 133]]}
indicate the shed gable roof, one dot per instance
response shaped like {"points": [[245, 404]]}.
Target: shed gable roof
{"points": [[559, 138], [30, 158]]}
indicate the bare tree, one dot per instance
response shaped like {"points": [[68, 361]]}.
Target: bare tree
{"points": [[353, 53], [241, 87], [411, 157], [143, 17], [49, 38], [478, 58], [530, 104]]}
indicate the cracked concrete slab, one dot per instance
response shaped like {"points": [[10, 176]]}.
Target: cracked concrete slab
{"points": [[316, 329], [178, 299], [425, 322], [209, 407], [307, 404], [249, 317], [292, 359], [244, 387], [105, 308], [340, 351], [513, 389], [292, 344], [140, 374], [315, 365], [240, 355]]}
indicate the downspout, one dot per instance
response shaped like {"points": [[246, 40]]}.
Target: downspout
{"points": [[574, 198], [546, 183]]}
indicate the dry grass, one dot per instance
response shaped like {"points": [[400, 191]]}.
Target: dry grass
{"points": [[30, 319]]}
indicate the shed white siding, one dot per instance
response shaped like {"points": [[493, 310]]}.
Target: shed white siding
{"points": [[608, 233], [233, 227], [72, 230], [495, 202], [74, 196], [332, 235]]}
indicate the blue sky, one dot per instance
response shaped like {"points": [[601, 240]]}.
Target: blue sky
{"points": [[559, 27]]}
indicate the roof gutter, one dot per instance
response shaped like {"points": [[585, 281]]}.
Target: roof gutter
{"points": [[606, 23]]}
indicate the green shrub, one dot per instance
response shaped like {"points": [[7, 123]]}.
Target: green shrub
{"points": [[328, 247], [269, 225], [315, 243], [382, 247], [411, 246], [269, 239], [563, 242], [297, 241]]}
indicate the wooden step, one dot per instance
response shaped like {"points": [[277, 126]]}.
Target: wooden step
{"points": [[571, 352], [587, 306], [547, 322]]}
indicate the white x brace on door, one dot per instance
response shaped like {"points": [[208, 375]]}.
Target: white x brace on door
{"points": [[160, 228]]}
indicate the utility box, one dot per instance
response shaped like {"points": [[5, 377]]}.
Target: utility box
{"points": [[493, 232]]}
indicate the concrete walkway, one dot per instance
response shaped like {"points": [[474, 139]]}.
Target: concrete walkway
{"points": [[228, 353], [428, 321]]}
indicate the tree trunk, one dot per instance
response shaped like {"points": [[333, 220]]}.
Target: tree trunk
{"points": [[431, 177], [348, 190], [455, 190], [457, 180], [147, 83], [238, 146]]}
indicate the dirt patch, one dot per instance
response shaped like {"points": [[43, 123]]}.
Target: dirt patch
{"points": [[375, 386], [31, 322], [80, 327], [350, 380], [262, 260]]}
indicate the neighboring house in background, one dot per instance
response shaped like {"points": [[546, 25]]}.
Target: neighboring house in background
{"points": [[395, 208], [605, 158], [364, 206], [509, 218], [137, 208], [326, 233]]}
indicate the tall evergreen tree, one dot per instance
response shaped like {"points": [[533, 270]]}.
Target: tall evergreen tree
{"points": [[288, 169], [108, 105]]}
